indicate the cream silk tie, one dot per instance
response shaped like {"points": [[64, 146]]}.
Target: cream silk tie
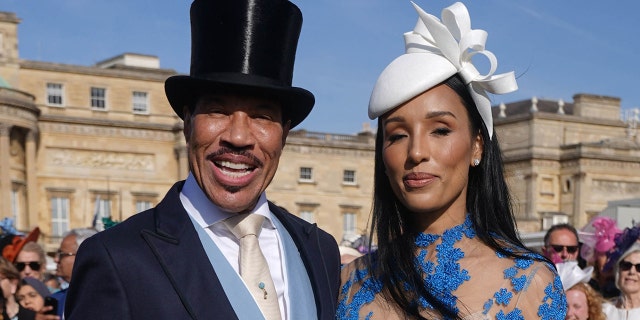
{"points": [[253, 266]]}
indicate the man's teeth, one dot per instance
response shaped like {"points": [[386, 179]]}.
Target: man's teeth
{"points": [[235, 166], [240, 169]]}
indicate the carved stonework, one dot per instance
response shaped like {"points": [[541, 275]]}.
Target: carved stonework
{"points": [[18, 113], [619, 188], [612, 164], [100, 159], [329, 151], [132, 133]]}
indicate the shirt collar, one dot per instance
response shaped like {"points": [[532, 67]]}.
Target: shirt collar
{"points": [[208, 213]]}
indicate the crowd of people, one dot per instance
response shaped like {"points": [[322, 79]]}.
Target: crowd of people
{"points": [[31, 290], [216, 247], [599, 265]]}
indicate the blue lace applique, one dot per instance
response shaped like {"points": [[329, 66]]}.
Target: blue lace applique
{"points": [[487, 306], [519, 283], [516, 314], [509, 273], [444, 275], [503, 296], [368, 290], [554, 304]]}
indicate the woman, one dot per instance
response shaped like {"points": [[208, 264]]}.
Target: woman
{"points": [[598, 238], [9, 278], [584, 302], [31, 261], [447, 245], [627, 277], [31, 293]]}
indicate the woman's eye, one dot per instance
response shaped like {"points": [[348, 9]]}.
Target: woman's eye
{"points": [[394, 137], [442, 131]]}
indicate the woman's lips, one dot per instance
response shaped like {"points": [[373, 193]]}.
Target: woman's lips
{"points": [[416, 180]]}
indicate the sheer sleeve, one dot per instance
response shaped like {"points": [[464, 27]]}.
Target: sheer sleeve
{"points": [[542, 296]]}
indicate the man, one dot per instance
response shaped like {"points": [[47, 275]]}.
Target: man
{"points": [[65, 258], [561, 243], [185, 258]]}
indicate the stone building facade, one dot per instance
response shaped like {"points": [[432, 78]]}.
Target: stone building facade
{"points": [[78, 142], [565, 161]]}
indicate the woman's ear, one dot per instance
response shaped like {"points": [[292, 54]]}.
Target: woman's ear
{"points": [[478, 148]]}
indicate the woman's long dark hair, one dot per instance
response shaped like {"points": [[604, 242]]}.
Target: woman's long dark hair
{"points": [[488, 204]]}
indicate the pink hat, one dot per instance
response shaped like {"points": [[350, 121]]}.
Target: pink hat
{"points": [[598, 237]]}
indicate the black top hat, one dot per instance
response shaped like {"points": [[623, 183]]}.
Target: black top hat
{"points": [[243, 46]]}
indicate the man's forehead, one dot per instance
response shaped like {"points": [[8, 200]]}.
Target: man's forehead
{"points": [[563, 234]]}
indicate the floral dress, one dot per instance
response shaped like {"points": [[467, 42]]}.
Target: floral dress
{"points": [[467, 276]]}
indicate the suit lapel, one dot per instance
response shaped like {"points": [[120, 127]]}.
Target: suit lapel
{"points": [[306, 238], [179, 251]]}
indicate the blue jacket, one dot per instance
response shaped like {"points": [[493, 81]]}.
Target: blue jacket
{"points": [[153, 266]]}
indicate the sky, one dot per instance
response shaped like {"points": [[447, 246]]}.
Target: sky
{"points": [[556, 48]]}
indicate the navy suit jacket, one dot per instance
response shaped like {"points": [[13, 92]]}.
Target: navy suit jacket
{"points": [[153, 266]]}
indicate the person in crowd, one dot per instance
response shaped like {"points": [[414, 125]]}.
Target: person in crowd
{"points": [[52, 282], [193, 255], [447, 242], [65, 258], [31, 293], [348, 254], [625, 261], [31, 261], [561, 243], [584, 303], [598, 238], [9, 279]]}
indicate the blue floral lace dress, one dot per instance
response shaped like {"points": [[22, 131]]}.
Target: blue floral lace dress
{"points": [[470, 278]]}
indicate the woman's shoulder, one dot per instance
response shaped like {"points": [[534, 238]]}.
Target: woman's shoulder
{"points": [[358, 269]]}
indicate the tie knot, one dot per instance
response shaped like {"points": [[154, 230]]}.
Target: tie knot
{"points": [[245, 224]]}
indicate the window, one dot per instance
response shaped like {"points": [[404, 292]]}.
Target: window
{"points": [[348, 224], [140, 102], [98, 98], [15, 202], [54, 94], [59, 216], [307, 216], [349, 176], [143, 205], [306, 174], [102, 209]]}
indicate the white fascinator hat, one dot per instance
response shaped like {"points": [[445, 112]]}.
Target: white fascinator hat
{"points": [[571, 274], [435, 51]]}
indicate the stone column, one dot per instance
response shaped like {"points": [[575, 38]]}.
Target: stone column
{"points": [[5, 178], [531, 208], [181, 155], [32, 181], [581, 196]]}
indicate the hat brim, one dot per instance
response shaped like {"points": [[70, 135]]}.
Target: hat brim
{"points": [[406, 77], [10, 252], [184, 90]]}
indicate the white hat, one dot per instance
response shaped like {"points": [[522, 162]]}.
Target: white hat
{"points": [[435, 51], [571, 274], [350, 251]]}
